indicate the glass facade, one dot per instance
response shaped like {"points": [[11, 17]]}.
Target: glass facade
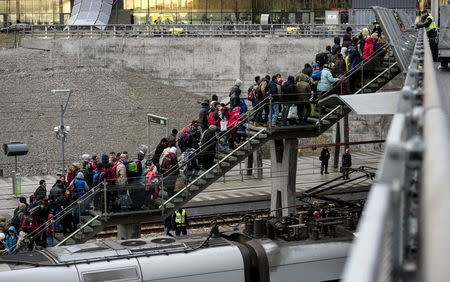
{"points": [[235, 11], [176, 11], [34, 11]]}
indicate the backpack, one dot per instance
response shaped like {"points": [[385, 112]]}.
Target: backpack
{"points": [[96, 176], [322, 58], [132, 169], [166, 164], [251, 96]]}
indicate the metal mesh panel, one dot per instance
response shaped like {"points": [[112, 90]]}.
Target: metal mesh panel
{"points": [[402, 41], [91, 12]]}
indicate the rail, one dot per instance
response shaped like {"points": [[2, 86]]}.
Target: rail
{"points": [[78, 230], [403, 234], [189, 30]]}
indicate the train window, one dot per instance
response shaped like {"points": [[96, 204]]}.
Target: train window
{"points": [[112, 275]]}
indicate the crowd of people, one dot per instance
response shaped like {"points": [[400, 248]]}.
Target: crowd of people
{"points": [[140, 182]]}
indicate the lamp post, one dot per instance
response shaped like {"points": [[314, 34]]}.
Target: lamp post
{"points": [[61, 131]]}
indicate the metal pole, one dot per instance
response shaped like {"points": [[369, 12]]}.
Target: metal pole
{"points": [[63, 138], [15, 164]]}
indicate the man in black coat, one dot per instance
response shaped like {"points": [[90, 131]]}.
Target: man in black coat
{"points": [[41, 191], [203, 115], [324, 157], [346, 163]]}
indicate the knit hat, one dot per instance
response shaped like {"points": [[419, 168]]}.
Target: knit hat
{"points": [[238, 82]]}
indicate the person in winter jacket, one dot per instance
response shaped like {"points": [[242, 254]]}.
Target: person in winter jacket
{"points": [[159, 149], [232, 122], [41, 191], [208, 145], [170, 171], [289, 95], [80, 185], [336, 49], [347, 38], [326, 80], [346, 163], [304, 93], [368, 48], [307, 69], [235, 94], [353, 55], [203, 115], [324, 158], [11, 240], [274, 92], [339, 67]]}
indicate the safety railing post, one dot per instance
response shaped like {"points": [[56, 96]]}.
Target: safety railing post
{"points": [[270, 113], [105, 201]]}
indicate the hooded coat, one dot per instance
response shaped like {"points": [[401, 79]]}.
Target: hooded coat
{"points": [[234, 117], [208, 145], [235, 94], [368, 48], [326, 80], [303, 88], [11, 240]]}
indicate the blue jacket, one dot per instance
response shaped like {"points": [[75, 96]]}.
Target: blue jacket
{"points": [[316, 75], [273, 90], [353, 57], [11, 241], [80, 186], [326, 81]]}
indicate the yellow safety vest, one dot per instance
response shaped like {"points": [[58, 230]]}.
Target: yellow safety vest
{"points": [[433, 23], [180, 218]]}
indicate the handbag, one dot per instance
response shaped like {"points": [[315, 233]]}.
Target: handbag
{"points": [[292, 114], [223, 125]]}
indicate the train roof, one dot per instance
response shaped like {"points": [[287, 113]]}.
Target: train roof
{"points": [[96, 251]]}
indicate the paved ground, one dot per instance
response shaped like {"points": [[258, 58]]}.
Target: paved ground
{"points": [[236, 188]]}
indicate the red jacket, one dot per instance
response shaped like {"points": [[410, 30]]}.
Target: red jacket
{"points": [[368, 48], [234, 117], [213, 119]]}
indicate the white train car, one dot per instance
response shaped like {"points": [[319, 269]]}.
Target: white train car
{"points": [[232, 257]]}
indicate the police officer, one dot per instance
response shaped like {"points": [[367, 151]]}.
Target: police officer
{"points": [[430, 25], [180, 222]]}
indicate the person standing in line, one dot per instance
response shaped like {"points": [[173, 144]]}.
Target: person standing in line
{"points": [[324, 157], [346, 163], [180, 222]]}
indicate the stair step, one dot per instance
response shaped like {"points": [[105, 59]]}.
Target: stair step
{"points": [[170, 206], [230, 158], [208, 176], [178, 200], [60, 237], [87, 229], [251, 127], [325, 121], [193, 188], [254, 142], [200, 182], [239, 153], [225, 164], [185, 194], [86, 218]]}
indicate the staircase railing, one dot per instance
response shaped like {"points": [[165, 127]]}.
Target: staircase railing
{"points": [[212, 168], [361, 90], [78, 230], [66, 211]]}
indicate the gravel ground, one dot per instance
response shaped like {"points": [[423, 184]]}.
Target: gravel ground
{"points": [[107, 111]]}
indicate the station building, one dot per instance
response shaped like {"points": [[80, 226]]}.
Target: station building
{"points": [[202, 11], [176, 11]]}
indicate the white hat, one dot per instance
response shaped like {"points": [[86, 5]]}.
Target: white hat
{"points": [[173, 150], [2, 236]]}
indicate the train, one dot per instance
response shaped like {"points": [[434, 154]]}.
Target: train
{"points": [[285, 252]]}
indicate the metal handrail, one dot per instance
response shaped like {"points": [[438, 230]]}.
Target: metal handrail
{"points": [[76, 231], [328, 114], [211, 168], [436, 177], [376, 77], [64, 212]]}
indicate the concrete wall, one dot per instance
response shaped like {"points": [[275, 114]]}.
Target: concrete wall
{"points": [[200, 65]]}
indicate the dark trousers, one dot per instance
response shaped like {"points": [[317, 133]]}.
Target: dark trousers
{"points": [[303, 108], [180, 230], [345, 173], [324, 167]]}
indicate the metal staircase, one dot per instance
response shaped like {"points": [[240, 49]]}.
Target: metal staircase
{"points": [[328, 112]]}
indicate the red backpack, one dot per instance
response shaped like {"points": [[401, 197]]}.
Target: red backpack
{"points": [[251, 96]]}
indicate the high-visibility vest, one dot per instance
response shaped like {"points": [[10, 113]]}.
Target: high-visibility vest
{"points": [[180, 218], [433, 23]]}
